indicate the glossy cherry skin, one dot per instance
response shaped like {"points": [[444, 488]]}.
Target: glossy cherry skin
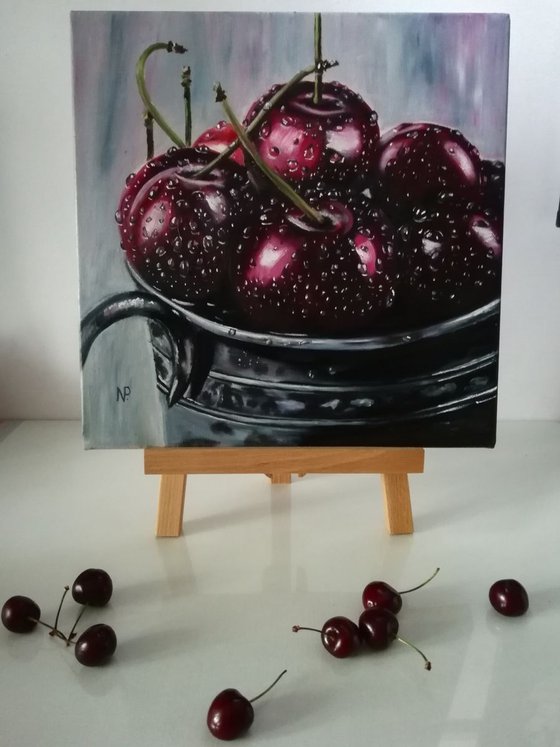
{"points": [[493, 186], [96, 645], [289, 275], [230, 715], [306, 143], [378, 628], [176, 229], [380, 595], [341, 637], [93, 586], [509, 598], [415, 162], [450, 260], [16, 612], [218, 138]]}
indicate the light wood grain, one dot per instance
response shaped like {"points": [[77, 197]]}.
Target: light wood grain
{"points": [[171, 504], [291, 460], [280, 478], [398, 510]]}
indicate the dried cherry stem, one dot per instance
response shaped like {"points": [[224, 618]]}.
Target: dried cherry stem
{"points": [[427, 662], [186, 83], [71, 634], [297, 628], [272, 102], [317, 34], [143, 91], [264, 692], [54, 630], [427, 581], [149, 125], [277, 180]]}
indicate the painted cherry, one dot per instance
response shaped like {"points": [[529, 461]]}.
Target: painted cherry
{"points": [[292, 275], [231, 714], [306, 142], [493, 186], [451, 259], [415, 162], [20, 614], [218, 138], [175, 228], [379, 628], [381, 595], [339, 635], [93, 587], [508, 597], [96, 645]]}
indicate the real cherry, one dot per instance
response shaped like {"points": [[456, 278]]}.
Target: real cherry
{"points": [[339, 635], [379, 594], [509, 597]]}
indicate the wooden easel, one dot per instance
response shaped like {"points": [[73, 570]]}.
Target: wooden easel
{"points": [[174, 464]]}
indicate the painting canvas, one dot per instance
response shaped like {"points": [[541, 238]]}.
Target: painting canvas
{"points": [[290, 227]]}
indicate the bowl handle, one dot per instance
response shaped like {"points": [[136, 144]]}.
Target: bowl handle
{"points": [[189, 369]]}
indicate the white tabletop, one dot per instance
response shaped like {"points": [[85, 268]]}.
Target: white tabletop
{"points": [[214, 608]]}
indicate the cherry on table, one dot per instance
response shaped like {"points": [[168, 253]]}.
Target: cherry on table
{"points": [[380, 627], [20, 614], [339, 635], [380, 594], [93, 587], [96, 645], [509, 597], [231, 714]]}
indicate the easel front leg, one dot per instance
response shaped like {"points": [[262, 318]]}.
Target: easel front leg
{"points": [[170, 505], [398, 510]]}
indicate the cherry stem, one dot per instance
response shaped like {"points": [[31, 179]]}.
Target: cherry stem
{"points": [[149, 125], [415, 588], [143, 91], [427, 662], [318, 58], [277, 180], [186, 83], [71, 633], [272, 102], [54, 630], [297, 628], [264, 692]]}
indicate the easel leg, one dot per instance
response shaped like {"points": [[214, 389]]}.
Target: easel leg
{"points": [[280, 478], [170, 505], [398, 510]]}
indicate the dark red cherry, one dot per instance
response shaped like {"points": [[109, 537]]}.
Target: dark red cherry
{"points": [[20, 614], [508, 597], [415, 162], [177, 229], [290, 275], [380, 595], [493, 186], [306, 143], [378, 628], [231, 714], [96, 645], [93, 586], [339, 635], [451, 260], [218, 138]]}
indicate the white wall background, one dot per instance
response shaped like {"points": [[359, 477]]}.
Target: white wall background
{"points": [[39, 319]]}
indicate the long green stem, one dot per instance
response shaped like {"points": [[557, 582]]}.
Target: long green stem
{"points": [[71, 633], [54, 630], [427, 581], [264, 692], [186, 83], [143, 91], [277, 180], [427, 662], [317, 34], [271, 103]]}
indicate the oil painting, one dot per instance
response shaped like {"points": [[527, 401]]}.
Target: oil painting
{"points": [[289, 227]]}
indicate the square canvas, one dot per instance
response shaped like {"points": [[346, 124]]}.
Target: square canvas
{"points": [[334, 278]]}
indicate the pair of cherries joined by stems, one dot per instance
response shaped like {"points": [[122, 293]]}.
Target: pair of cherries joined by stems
{"points": [[377, 627], [91, 588]]}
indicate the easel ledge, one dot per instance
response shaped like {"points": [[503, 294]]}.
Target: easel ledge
{"points": [[279, 463]]}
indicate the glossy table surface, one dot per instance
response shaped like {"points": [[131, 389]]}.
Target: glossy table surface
{"points": [[215, 607]]}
